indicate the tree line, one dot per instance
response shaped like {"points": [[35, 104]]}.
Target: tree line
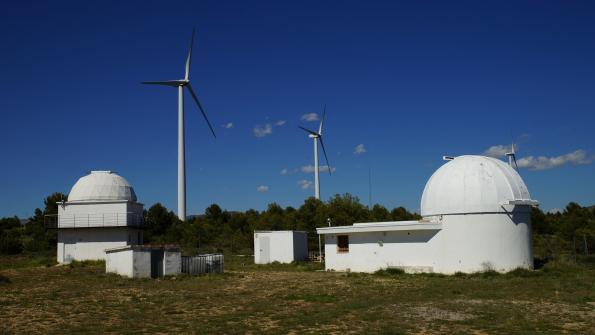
{"points": [[569, 231]]}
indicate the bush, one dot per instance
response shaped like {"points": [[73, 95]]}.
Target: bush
{"points": [[10, 242], [390, 272]]}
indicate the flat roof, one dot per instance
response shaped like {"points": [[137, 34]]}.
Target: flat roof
{"points": [[381, 227], [174, 248], [278, 231]]}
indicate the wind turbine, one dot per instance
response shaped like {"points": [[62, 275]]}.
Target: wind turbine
{"points": [[181, 84], [317, 136], [512, 157]]}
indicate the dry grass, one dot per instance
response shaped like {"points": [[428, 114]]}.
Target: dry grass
{"points": [[280, 299]]}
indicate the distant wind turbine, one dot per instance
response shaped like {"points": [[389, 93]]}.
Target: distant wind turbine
{"points": [[512, 157], [180, 84], [317, 136]]}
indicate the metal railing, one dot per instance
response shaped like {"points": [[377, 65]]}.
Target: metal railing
{"points": [[94, 220], [202, 264]]}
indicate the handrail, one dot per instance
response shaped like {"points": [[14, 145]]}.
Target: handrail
{"points": [[122, 219]]}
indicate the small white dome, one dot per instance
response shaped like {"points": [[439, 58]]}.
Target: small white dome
{"points": [[472, 184], [100, 186]]}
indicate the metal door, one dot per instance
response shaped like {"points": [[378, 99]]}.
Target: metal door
{"points": [[265, 246], [156, 263], [69, 251]]}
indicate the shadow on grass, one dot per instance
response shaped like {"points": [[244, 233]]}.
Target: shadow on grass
{"points": [[4, 280]]}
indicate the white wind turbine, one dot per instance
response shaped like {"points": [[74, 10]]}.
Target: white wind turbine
{"points": [[316, 136], [512, 157], [180, 84]]}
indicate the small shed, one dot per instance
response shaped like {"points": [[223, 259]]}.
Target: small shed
{"points": [[280, 246], [144, 261]]}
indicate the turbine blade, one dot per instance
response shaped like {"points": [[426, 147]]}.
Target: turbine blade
{"points": [[204, 114], [308, 130], [322, 121], [173, 83], [325, 156], [515, 164], [188, 60]]}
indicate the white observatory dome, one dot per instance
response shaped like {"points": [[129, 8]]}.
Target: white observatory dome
{"points": [[101, 186], [473, 184]]}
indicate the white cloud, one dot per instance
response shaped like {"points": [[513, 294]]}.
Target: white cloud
{"points": [[360, 149], [262, 189], [280, 123], [310, 169], [555, 211], [305, 184], [544, 163], [262, 131], [286, 172], [497, 151], [310, 117], [228, 125]]}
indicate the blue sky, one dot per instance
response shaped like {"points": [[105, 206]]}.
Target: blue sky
{"points": [[409, 80]]}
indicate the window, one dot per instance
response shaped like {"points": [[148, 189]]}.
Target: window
{"points": [[343, 243]]}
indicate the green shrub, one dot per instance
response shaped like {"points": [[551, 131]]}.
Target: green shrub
{"points": [[390, 272]]}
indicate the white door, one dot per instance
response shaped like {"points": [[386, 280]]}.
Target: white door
{"points": [[265, 246], [69, 251]]}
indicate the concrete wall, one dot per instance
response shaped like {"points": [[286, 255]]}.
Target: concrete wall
{"points": [[142, 264], [120, 262], [471, 243], [369, 252], [282, 246], [90, 243], [129, 263], [466, 243], [172, 263]]}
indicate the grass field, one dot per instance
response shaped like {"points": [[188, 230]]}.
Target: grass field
{"points": [[38, 298]]}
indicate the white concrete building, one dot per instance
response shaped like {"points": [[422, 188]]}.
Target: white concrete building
{"points": [[280, 246], [144, 261], [101, 213], [476, 216]]}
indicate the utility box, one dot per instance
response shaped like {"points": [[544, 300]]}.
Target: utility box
{"points": [[280, 246]]}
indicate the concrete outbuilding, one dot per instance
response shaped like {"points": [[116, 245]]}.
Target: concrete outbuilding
{"points": [[280, 246], [144, 261], [101, 213], [476, 216]]}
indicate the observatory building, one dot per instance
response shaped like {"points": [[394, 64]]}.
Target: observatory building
{"points": [[476, 216], [101, 213]]}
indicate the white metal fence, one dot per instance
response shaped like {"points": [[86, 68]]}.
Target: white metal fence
{"points": [[94, 220], [202, 264]]}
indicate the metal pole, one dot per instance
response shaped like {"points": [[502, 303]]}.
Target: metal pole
{"points": [[181, 157], [319, 250], [316, 170]]}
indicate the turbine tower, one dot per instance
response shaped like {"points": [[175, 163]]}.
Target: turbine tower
{"points": [[512, 157], [317, 136], [180, 84]]}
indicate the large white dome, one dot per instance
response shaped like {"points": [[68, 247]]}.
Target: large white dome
{"points": [[473, 184], [101, 186]]}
